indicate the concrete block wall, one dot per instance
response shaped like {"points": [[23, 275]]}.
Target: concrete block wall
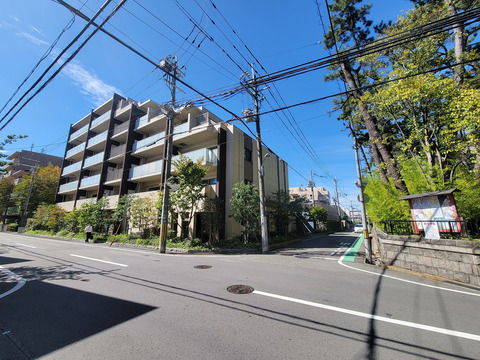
{"points": [[457, 260]]}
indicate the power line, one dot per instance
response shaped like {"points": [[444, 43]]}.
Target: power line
{"points": [[56, 60], [42, 58]]}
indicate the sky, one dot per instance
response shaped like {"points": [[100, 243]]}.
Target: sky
{"points": [[215, 41]]}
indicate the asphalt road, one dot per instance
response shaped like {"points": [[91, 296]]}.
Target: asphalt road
{"points": [[71, 300]]}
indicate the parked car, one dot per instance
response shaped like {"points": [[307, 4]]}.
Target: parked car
{"points": [[358, 228]]}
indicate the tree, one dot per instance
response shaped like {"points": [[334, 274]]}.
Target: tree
{"points": [[122, 212], [245, 206], [144, 213], [319, 215], [281, 209], [6, 189], [45, 183], [189, 176], [47, 217], [351, 30], [212, 218], [96, 214], [8, 141]]}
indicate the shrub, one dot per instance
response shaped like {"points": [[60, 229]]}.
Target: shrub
{"points": [[12, 227]]}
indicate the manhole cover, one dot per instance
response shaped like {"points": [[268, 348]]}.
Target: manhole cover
{"points": [[202, 267], [240, 289]]}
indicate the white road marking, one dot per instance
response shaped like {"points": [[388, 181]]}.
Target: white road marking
{"points": [[33, 247], [93, 259], [374, 317], [340, 261], [20, 281]]}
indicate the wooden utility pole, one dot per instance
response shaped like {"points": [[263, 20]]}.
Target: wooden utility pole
{"points": [[261, 170], [171, 73]]}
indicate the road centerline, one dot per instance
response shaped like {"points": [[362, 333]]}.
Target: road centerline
{"points": [[99, 260], [409, 324]]}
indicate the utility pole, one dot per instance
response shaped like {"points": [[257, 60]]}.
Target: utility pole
{"points": [[311, 185], [171, 74], [261, 171], [23, 218], [338, 204], [366, 239]]}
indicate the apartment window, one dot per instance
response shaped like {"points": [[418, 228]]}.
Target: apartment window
{"points": [[247, 154]]}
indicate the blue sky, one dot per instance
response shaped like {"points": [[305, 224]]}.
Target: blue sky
{"points": [[278, 33]]}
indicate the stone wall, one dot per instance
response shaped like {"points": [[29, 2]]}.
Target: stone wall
{"points": [[457, 260]]}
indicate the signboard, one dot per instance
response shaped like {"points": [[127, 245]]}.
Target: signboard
{"points": [[431, 230], [434, 213], [434, 208]]}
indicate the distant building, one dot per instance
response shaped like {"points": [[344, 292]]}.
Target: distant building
{"points": [[316, 196], [118, 149], [21, 163]]}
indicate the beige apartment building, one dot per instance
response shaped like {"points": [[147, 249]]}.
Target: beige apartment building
{"points": [[118, 149]]}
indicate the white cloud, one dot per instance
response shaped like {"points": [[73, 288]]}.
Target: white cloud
{"points": [[38, 31], [32, 39], [97, 90]]}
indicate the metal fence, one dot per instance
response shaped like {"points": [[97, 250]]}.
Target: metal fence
{"points": [[447, 229]]}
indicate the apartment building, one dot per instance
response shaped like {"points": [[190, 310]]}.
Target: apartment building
{"points": [[118, 149], [317, 195], [21, 163]]}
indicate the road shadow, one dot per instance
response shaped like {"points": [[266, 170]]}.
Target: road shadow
{"points": [[48, 317]]}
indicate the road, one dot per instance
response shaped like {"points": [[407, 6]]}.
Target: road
{"points": [[72, 300]]}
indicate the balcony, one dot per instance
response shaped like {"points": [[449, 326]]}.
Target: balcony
{"points": [[90, 181], [78, 133], [93, 160], [68, 187], [117, 151], [114, 176], [101, 119], [120, 128], [76, 150], [149, 170], [153, 121], [70, 169], [153, 140], [208, 156], [180, 130], [97, 139]]}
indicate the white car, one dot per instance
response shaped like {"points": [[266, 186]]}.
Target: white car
{"points": [[358, 228]]}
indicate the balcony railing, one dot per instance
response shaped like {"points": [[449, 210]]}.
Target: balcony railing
{"points": [[180, 129], [116, 151], [72, 168], [76, 150], [98, 138], [90, 181], [79, 132], [68, 186], [145, 119], [208, 156], [120, 128], [114, 175], [152, 168], [101, 119], [95, 159], [151, 140]]}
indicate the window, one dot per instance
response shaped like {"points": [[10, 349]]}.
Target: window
{"points": [[247, 154]]}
